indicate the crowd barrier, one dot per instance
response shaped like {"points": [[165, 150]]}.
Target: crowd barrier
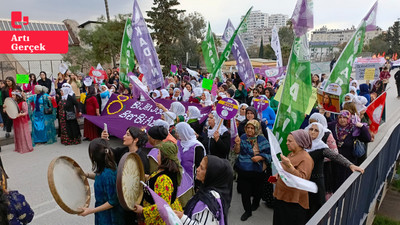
{"points": [[352, 202]]}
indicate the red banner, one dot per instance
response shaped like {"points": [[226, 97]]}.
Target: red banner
{"points": [[33, 42], [374, 112]]}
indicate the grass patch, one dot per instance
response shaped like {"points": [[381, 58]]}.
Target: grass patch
{"points": [[382, 220]]}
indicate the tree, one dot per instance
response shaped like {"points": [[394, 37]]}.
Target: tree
{"points": [[377, 45], [393, 38], [269, 52], [164, 21], [79, 58], [286, 38], [261, 51], [105, 40], [190, 40]]}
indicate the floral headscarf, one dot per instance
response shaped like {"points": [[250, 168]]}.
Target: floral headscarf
{"points": [[257, 130], [343, 131]]}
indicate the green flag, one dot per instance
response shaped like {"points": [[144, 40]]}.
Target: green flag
{"points": [[227, 50], [127, 59], [342, 70], [209, 51], [297, 91]]}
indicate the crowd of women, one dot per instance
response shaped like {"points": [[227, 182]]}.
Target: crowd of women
{"points": [[192, 164]]}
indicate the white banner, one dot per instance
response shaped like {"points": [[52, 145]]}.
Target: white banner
{"points": [[289, 179]]}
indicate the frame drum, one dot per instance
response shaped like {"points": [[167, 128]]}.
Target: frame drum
{"points": [[130, 173], [68, 184], [12, 109]]}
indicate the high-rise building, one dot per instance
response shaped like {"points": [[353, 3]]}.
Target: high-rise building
{"points": [[259, 25]]}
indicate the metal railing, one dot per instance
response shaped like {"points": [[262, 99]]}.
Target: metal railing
{"points": [[10, 68], [351, 203]]}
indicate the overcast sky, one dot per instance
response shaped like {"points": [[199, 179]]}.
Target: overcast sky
{"points": [[337, 14]]}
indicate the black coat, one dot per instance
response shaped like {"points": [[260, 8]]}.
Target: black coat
{"points": [[218, 148], [46, 83]]}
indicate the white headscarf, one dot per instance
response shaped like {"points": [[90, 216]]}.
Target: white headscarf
{"points": [[360, 103], [169, 117], [173, 96], [162, 123], [194, 113], [354, 82], [208, 101], [239, 117], [177, 108], [164, 93], [320, 119], [157, 92], [186, 95], [67, 90], [198, 91], [222, 129], [187, 136], [351, 96], [351, 88], [317, 143]]}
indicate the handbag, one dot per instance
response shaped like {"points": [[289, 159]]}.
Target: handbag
{"points": [[47, 110], [359, 148], [70, 115]]}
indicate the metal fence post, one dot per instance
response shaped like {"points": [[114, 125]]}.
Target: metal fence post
{"points": [[29, 67]]}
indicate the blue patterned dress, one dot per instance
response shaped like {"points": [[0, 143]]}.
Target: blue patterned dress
{"points": [[105, 191], [43, 128], [19, 211]]}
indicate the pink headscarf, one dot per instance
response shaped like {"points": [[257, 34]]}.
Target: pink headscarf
{"points": [[302, 138]]}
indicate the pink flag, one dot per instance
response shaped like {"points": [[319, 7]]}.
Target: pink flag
{"points": [[214, 90], [165, 211]]}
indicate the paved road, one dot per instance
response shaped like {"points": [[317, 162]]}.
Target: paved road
{"points": [[28, 175]]}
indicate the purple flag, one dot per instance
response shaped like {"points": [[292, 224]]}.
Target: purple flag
{"points": [[145, 52], [243, 64], [121, 113], [173, 68], [257, 70], [303, 18], [370, 18], [164, 209], [138, 87], [272, 73]]}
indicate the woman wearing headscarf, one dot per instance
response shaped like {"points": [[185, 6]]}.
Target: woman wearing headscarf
{"points": [[155, 135], [353, 90], [104, 96], [91, 131], [194, 114], [163, 182], [191, 152], [241, 115], [318, 151], [254, 154], [354, 83], [329, 140], [38, 101], [291, 204], [217, 141], [164, 124], [177, 95], [345, 134], [68, 108], [178, 109], [197, 92], [164, 94], [187, 92], [210, 205], [251, 114], [206, 99], [364, 91], [241, 93]]}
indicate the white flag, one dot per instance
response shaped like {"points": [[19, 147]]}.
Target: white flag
{"points": [[276, 46]]}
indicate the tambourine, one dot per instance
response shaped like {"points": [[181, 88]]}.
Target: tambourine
{"points": [[68, 185], [130, 173]]}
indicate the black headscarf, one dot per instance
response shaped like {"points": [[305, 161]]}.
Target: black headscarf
{"points": [[219, 177]]}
